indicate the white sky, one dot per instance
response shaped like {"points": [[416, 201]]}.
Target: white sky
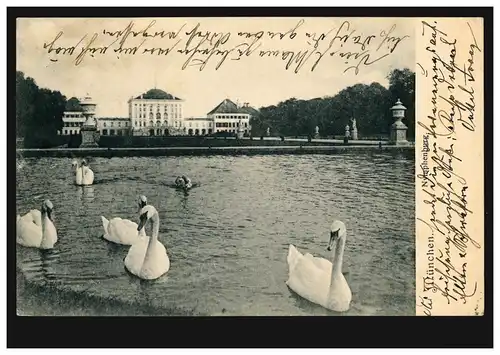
{"points": [[111, 79]]}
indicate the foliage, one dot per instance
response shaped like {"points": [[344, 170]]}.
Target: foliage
{"points": [[368, 104], [39, 112]]}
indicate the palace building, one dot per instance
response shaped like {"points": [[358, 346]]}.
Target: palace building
{"points": [[227, 117], [156, 113], [72, 121]]}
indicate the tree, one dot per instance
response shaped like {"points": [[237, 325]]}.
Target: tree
{"points": [[26, 90], [39, 112]]}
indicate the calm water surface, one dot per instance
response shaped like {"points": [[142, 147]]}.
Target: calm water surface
{"points": [[228, 238]]}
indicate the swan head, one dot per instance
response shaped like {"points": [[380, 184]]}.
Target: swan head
{"points": [[47, 208], [74, 163], [146, 213], [84, 162], [142, 201], [337, 232]]}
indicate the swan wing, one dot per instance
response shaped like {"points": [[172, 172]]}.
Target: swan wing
{"points": [[135, 257], [309, 280], [28, 233], [122, 231], [36, 216], [293, 257], [320, 263], [88, 176], [79, 176]]}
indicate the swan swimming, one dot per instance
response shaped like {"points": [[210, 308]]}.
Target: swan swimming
{"points": [[319, 280], [123, 231], [36, 229], [83, 174], [148, 259]]}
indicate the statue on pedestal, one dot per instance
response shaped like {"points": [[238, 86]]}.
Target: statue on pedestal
{"points": [[354, 129], [316, 132], [268, 131]]}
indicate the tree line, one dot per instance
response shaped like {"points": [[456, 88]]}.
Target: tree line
{"points": [[368, 104]]}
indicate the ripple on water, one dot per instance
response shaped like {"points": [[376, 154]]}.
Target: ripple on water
{"points": [[228, 238]]}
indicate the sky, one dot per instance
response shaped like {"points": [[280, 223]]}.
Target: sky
{"points": [[112, 78]]}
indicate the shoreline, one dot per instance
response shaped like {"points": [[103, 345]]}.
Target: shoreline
{"points": [[200, 151]]}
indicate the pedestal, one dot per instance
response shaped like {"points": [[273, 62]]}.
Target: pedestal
{"points": [[88, 137], [240, 134], [398, 133], [354, 134]]}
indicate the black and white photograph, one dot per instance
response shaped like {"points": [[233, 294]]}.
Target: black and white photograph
{"points": [[218, 166]]}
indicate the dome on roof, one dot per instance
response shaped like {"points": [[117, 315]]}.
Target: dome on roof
{"points": [[157, 94]]}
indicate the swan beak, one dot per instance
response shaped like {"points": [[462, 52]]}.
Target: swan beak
{"points": [[143, 220], [49, 214], [333, 239]]}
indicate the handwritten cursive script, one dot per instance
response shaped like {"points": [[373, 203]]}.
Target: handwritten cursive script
{"points": [[443, 189], [298, 49]]}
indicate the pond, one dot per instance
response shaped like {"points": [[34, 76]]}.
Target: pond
{"points": [[228, 238]]}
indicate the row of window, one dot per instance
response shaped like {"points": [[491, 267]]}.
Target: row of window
{"points": [[73, 115], [112, 124], [73, 124], [151, 123], [230, 124], [158, 115], [158, 106], [232, 116]]}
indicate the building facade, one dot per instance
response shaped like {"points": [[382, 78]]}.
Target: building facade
{"points": [[227, 117], [156, 113], [196, 126], [113, 126], [72, 122]]}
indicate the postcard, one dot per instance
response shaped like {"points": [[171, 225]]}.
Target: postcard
{"points": [[250, 166]]}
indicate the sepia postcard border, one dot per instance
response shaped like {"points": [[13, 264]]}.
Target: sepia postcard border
{"points": [[252, 331]]}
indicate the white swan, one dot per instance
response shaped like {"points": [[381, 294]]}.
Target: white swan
{"points": [[148, 259], [83, 174], [35, 229], [319, 280], [123, 231]]}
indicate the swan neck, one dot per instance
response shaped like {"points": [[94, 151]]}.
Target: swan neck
{"points": [[338, 256], [156, 226], [45, 223]]}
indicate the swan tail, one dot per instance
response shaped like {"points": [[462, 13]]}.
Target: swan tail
{"points": [[293, 257], [105, 224]]}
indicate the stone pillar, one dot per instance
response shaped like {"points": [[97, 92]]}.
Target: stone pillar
{"points": [[347, 134], [268, 132], [316, 132], [89, 128], [354, 129], [398, 128]]}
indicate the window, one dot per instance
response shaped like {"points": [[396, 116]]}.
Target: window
{"points": [[158, 116], [151, 123], [104, 132], [104, 124], [119, 124], [111, 132], [136, 123], [112, 124]]}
